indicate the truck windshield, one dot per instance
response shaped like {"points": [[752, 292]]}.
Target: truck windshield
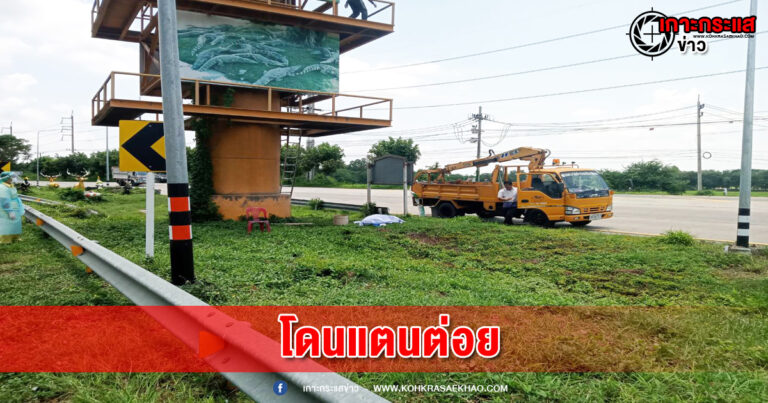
{"points": [[585, 184]]}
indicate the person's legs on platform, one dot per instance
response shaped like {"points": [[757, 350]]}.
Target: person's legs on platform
{"points": [[357, 8]]}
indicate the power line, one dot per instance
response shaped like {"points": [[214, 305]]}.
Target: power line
{"points": [[613, 87], [523, 72], [525, 45]]}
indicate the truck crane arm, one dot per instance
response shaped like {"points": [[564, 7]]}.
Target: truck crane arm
{"points": [[535, 156]]}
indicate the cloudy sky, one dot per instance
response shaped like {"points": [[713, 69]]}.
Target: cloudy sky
{"points": [[543, 95]]}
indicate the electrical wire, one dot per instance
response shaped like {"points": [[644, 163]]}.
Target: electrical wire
{"points": [[517, 73], [525, 45], [581, 91]]}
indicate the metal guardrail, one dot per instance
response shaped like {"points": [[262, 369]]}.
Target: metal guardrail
{"points": [[339, 206], [243, 344]]}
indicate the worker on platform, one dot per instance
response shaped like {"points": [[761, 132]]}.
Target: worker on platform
{"points": [[11, 210], [358, 7], [508, 196]]}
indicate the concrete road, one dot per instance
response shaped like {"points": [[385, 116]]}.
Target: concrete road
{"points": [[704, 217]]}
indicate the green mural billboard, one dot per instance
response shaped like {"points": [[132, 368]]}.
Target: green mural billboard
{"points": [[240, 51]]}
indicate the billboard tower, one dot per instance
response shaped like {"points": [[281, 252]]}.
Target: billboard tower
{"points": [[261, 73]]}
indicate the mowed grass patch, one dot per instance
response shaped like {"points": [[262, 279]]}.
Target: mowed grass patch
{"points": [[426, 261]]}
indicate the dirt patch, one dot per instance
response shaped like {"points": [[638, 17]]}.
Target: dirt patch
{"points": [[740, 274], [427, 239], [631, 271], [6, 268]]}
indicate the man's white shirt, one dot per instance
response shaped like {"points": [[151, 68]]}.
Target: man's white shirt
{"points": [[508, 194]]}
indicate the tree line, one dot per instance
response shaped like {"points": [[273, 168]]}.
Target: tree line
{"points": [[656, 176], [326, 162]]}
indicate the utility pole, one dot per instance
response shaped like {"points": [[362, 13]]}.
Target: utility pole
{"points": [[699, 114], [745, 183], [69, 128], [182, 257], [10, 129], [479, 117]]}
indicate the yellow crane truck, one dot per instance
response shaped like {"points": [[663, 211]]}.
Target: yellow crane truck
{"points": [[546, 194]]}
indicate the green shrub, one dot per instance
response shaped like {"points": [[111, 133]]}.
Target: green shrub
{"points": [[97, 198], [705, 193], [316, 204], [320, 181], [369, 209], [70, 194], [678, 238]]}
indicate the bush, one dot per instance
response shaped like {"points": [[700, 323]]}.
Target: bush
{"points": [[97, 198], [705, 193], [678, 238], [72, 195], [315, 204], [369, 209], [320, 181]]}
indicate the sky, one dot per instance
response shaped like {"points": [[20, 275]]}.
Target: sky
{"points": [[50, 67]]}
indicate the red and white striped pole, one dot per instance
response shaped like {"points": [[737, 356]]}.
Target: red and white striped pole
{"points": [[182, 257]]}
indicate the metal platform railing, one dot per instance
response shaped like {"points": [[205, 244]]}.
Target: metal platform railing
{"points": [[198, 92], [383, 13], [243, 344]]}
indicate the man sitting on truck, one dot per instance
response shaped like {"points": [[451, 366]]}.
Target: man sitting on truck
{"points": [[508, 195]]}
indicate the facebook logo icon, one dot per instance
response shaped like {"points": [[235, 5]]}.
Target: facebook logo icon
{"points": [[280, 388]]}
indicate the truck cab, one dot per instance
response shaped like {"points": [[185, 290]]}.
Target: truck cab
{"points": [[578, 196]]}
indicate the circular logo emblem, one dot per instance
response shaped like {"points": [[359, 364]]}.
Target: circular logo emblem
{"points": [[280, 388], [645, 36]]}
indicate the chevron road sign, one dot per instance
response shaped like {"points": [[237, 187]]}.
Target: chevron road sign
{"points": [[142, 146]]}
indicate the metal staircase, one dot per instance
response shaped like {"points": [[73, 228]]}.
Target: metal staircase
{"points": [[291, 145]]}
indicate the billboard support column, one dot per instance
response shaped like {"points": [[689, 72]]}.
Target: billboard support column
{"points": [[180, 231]]}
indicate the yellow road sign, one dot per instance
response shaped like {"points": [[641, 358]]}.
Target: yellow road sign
{"points": [[142, 146], [5, 166]]}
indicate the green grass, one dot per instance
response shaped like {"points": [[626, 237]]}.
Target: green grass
{"points": [[464, 261]]}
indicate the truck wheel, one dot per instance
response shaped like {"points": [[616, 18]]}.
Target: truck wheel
{"points": [[580, 223], [537, 217], [446, 210]]}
